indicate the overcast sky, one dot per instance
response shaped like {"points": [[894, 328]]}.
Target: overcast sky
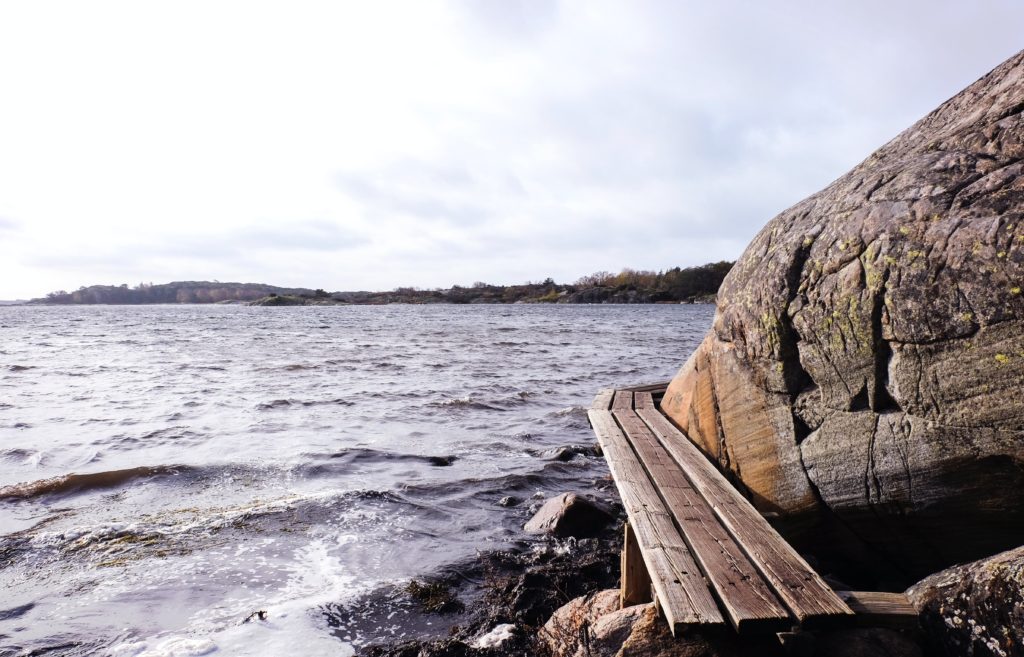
{"points": [[367, 145]]}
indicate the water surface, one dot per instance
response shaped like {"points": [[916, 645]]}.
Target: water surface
{"points": [[165, 471]]}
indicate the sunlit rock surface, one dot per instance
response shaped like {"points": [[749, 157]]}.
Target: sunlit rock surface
{"points": [[866, 364]]}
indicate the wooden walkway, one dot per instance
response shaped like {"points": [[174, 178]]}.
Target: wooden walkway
{"points": [[698, 548]]}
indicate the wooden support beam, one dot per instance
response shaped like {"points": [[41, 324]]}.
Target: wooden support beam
{"points": [[636, 581], [879, 609]]}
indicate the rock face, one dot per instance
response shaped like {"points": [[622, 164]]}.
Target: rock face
{"points": [[569, 515], [866, 361], [975, 609]]}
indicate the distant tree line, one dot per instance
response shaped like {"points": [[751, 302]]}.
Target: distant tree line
{"points": [[178, 292], [676, 285]]}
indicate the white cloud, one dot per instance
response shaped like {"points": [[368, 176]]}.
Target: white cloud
{"points": [[371, 145]]}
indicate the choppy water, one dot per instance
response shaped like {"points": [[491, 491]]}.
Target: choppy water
{"points": [[167, 470]]}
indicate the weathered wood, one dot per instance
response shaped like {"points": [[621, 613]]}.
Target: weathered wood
{"points": [[878, 609], [681, 591], [636, 581], [603, 400], [649, 387], [623, 400], [811, 601], [643, 400], [747, 598]]}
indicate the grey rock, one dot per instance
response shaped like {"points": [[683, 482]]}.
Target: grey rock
{"points": [[567, 515], [867, 353], [509, 500]]}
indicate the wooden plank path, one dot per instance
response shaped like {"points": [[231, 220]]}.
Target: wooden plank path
{"points": [[708, 555]]}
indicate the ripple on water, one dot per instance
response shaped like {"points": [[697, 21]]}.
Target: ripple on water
{"points": [[211, 461]]}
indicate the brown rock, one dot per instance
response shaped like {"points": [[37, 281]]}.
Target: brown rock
{"points": [[594, 626], [975, 609], [867, 354], [569, 515]]}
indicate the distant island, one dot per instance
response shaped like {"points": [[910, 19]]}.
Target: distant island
{"points": [[676, 285]]}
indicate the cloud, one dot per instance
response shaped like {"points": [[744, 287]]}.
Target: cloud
{"points": [[498, 140]]}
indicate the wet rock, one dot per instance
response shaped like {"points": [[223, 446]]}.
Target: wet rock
{"points": [[442, 461], [442, 648], [520, 587], [569, 514], [436, 597], [594, 626], [509, 500], [865, 360], [976, 608], [569, 452]]}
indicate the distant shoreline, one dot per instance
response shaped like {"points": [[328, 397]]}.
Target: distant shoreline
{"points": [[313, 302], [672, 286]]}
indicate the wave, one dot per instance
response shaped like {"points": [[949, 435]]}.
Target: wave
{"points": [[340, 462], [471, 402], [74, 482], [288, 403], [20, 368]]}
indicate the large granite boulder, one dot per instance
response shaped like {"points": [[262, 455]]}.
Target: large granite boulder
{"points": [[866, 362]]}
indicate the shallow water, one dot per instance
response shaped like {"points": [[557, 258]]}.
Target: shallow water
{"points": [[165, 471]]}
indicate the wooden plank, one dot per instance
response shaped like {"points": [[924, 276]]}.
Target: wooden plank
{"points": [[680, 590], [747, 598], [636, 581], [878, 609], [643, 400], [811, 601], [649, 387], [603, 399], [623, 400]]}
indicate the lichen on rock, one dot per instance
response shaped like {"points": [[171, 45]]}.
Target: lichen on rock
{"points": [[864, 368]]}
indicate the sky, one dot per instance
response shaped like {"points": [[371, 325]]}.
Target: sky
{"points": [[371, 145]]}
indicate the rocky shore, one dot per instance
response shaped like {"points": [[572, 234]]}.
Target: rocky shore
{"points": [[497, 604], [861, 384]]}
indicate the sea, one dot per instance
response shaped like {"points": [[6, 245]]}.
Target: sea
{"points": [[168, 472]]}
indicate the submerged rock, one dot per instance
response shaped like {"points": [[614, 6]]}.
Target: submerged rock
{"points": [[867, 353], [975, 609], [569, 515]]}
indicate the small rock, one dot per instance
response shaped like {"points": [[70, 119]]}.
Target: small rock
{"points": [[256, 615], [569, 515], [442, 461], [568, 452], [509, 500]]}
